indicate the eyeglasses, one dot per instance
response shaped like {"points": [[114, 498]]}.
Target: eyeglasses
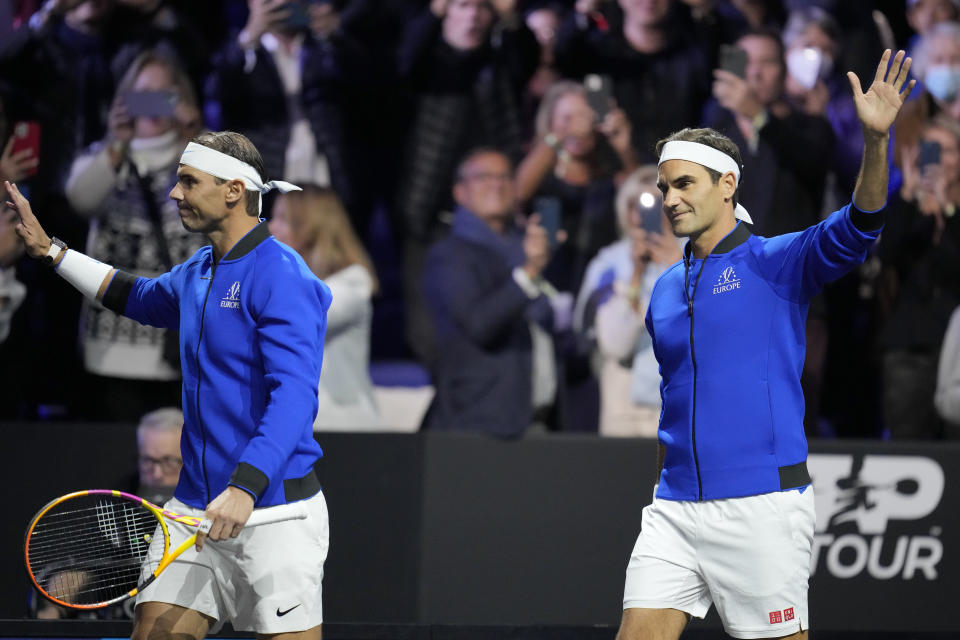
{"points": [[488, 177], [166, 463]]}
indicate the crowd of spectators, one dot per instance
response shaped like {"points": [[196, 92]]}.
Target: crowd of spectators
{"points": [[479, 192]]}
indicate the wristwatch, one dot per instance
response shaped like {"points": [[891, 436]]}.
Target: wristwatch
{"points": [[56, 246]]}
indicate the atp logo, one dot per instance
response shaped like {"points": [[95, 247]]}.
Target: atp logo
{"points": [[726, 281], [858, 496], [232, 299]]}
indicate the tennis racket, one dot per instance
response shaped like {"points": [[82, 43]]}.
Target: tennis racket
{"points": [[90, 549]]}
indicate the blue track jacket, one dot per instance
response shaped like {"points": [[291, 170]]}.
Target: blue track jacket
{"points": [[729, 334], [251, 345]]}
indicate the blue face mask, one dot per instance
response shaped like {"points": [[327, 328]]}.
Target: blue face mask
{"points": [[943, 81]]}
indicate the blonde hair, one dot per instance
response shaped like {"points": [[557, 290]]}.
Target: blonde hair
{"points": [[549, 102], [325, 233], [181, 82]]}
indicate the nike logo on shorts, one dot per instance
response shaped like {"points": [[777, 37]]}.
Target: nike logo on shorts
{"points": [[283, 613]]}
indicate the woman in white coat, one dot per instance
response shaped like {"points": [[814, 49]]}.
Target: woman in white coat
{"points": [[314, 223]]}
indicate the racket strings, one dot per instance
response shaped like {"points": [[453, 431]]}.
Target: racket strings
{"points": [[92, 549]]}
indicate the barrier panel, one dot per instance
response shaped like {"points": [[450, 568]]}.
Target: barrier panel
{"points": [[448, 529]]}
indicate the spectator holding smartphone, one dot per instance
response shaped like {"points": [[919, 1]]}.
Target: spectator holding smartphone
{"points": [[920, 253], [121, 184], [278, 82], [649, 54], [613, 302], [495, 370], [579, 159]]}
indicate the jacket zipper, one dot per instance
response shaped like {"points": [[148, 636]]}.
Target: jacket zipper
{"points": [[693, 357], [203, 431]]}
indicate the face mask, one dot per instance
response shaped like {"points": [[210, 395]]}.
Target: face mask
{"points": [[803, 65], [943, 81]]}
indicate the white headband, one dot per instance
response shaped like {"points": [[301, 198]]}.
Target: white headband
{"points": [[229, 168], [708, 157]]}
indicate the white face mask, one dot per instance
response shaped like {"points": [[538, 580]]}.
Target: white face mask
{"points": [[943, 81], [808, 65]]}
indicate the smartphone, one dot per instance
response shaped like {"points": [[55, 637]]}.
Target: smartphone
{"points": [[150, 104], [733, 59], [26, 135], [549, 209], [599, 94], [650, 212], [298, 16], [929, 153]]}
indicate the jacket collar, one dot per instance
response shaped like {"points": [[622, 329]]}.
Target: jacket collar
{"points": [[248, 242], [731, 241]]}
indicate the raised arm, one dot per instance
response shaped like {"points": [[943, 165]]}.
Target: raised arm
{"points": [[876, 110], [86, 274]]}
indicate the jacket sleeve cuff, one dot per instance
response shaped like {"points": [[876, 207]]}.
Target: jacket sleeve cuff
{"points": [[867, 220], [118, 291], [250, 479]]}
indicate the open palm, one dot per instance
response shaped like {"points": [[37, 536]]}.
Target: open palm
{"points": [[879, 106]]}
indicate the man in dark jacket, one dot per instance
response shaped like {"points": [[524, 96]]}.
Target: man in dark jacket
{"points": [[495, 369]]}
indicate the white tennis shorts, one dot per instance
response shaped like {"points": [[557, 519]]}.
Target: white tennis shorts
{"points": [[266, 580], [748, 556]]}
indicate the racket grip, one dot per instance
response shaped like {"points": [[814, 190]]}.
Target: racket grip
{"points": [[279, 513]]}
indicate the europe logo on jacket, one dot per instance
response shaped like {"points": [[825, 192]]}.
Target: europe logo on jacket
{"points": [[232, 299]]}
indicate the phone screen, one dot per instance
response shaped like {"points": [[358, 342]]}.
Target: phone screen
{"points": [[150, 104], [733, 59], [26, 135], [299, 16], [549, 210], [599, 94], [650, 212], [929, 153]]}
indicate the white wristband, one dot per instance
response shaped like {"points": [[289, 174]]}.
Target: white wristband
{"points": [[83, 272]]}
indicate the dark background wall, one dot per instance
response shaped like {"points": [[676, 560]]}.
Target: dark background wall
{"points": [[457, 529]]}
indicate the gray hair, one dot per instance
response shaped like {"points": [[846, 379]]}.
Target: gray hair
{"points": [[921, 55], [165, 419], [548, 105]]}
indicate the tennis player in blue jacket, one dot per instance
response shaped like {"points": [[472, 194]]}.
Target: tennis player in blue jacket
{"points": [[732, 519], [252, 318]]}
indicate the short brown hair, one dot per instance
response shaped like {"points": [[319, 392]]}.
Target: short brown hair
{"points": [[711, 138], [237, 146]]}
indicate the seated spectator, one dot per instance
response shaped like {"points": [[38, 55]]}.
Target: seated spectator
{"points": [[495, 370], [920, 252], [315, 224], [465, 63], [158, 471], [576, 165], [612, 305], [158, 450], [122, 184], [650, 58], [947, 396]]}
